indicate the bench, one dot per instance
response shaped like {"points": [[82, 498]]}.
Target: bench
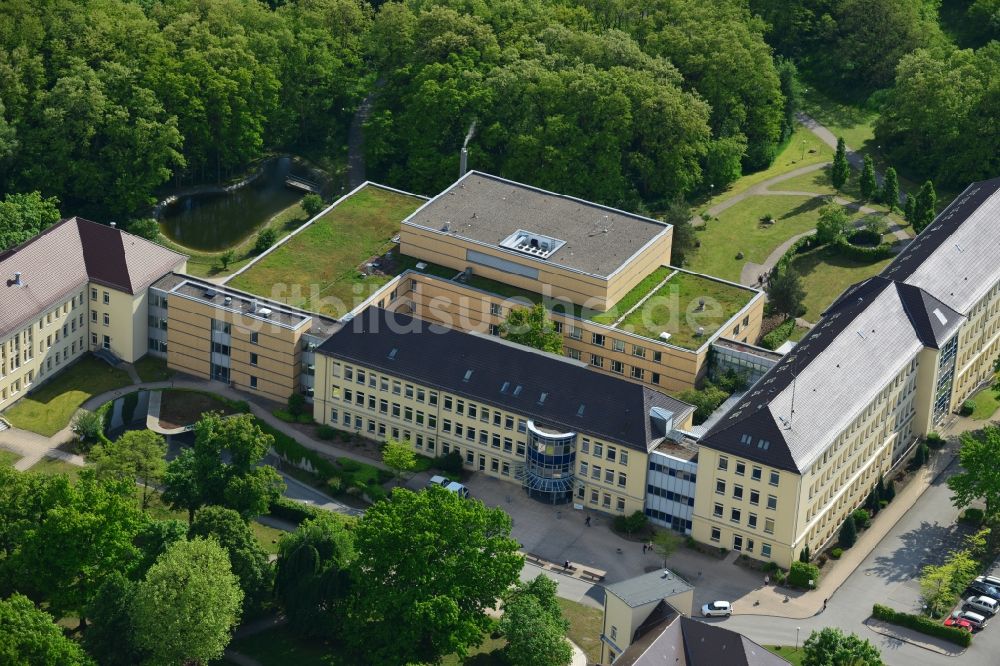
{"points": [[593, 576], [534, 559]]}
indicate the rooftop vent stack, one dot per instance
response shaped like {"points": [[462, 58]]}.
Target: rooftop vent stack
{"points": [[664, 336], [17, 279], [114, 225], [700, 331], [463, 160], [253, 305], [228, 300]]}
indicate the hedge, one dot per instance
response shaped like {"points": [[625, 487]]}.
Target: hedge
{"points": [[293, 451], [922, 624], [292, 511], [877, 253], [800, 246], [800, 573], [779, 335], [864, 237]]}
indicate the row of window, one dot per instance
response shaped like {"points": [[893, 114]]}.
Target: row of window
{"points": [[738, 494], [669, 494], [670, 471], [742, 544], [609, 474], [736, 516], [740, 468]]}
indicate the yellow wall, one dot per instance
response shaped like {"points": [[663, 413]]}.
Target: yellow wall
{"points": [[621, 620], [126, 321], [978, 347]]}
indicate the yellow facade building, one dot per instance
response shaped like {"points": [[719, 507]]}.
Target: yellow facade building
{"points": [[79, 286], [545, 422]]}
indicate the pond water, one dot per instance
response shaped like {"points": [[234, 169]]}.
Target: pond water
{"points": [[215, 221]]}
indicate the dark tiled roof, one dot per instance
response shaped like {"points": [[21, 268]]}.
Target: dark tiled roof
{"points": [[547, 388], [682, 641], [104, 255]]}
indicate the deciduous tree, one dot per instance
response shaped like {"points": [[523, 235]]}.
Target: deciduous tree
{"points": [[532, 327], [833, 223], [831, 647], [534, 626], [785, 292], [137, 455], [980, 475], [429, 565], [22, 216], [246, 556], [31, 636], [399, 457], [186, 607]]}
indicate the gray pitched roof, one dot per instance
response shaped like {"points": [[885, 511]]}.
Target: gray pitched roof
{"points": [[683, 641], [70, 254], [864, 339], [957, 257], [653, 586], [488, 209], [553, 390]]}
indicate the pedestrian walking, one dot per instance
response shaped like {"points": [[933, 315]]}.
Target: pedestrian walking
{"points": [[643, 549], [767, 580], [587, 521], [824, 603], [566, 565]]}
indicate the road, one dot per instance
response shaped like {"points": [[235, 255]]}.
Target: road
{"points": [[888, 576]]}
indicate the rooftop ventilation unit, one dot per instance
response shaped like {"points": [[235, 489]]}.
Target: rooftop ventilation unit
{"points": [[421, 266], [535, 245], [210, 293], [700, 331], [252, 307], [228, 300], [662, 420], [264, 312], [664, 336]]}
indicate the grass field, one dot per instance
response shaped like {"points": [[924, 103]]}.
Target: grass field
{"points": [[206, 264], [53, 466], [986, 401], [280, 646], [585, 627], [803, 148], [855, 124], [826, 274], [673, 309], [325, 258], [739, 229], [8, 458], [788, 653], [153, 369], [267, 536], [182, 408], [49, 409]]}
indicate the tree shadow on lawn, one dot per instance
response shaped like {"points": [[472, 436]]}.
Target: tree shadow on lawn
{"points": [[927, 544], [807, 206]]}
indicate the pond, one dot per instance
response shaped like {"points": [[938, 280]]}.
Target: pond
{"points": [[214, 221]]}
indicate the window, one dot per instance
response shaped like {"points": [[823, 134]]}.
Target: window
{"points": [[107, 298], [717, 511], [253, 382], [383, 406], [432, 398], [716, 534], [612, 453], [765, 550], [741, 468], [575, 333], [93, 294], [638, 351], [598, 449], [508, 444], [583, 467], [253, 359], [597, 339], [596, 472], [638, 373], [254, 337], [734, 515], [737, 492], [618, 345], [596, 361], [754, 497], [495, 309], [472, 411], [775, 477], [606, 501], [395, 410], [593, 496], [585, 445], [657, 356], [522, 425], [421, 395], [723, 463], [107, 319], [755, 473], [614, 633], [618, 367], [622, 479], [448, 403], [772, 502], [508, 423], [623, 457], [752, 520], [620, 504], [609, 476], [769, 525], [93, 316], [720, 487]]}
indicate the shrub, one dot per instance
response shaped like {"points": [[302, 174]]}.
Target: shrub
{"points": [[801, 573], [883, 503], [967, 408], [305, 418], [292, 511], [865, 238], [920, 456], [861, 518], [312, 204], [283, 415], [146, 227], [88, 426], [935, 441], [777, 337], [771, 567], [375, 492], [836, 553], [334, 484], [294, 451], [804, 554], [691, 543], [972, 516], [821, 560], [296, 404], [848, 533], [450, 462], [858, 253], [890, 491], [705, 400], [630, 524], [226, 258], [325, 432], [922, 624], [265, 239], [779, 576]]}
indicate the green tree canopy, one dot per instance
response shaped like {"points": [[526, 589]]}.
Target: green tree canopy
{"points": [[831, 647], [833, 223], [23, 216], [110, 638], [31, 636], [137, 455], [399, 457], [980, 475], [890, 189], [840, 171], [246, 556], [683, 241], [429, 564], [785, 292], [187, 605], [925, 207], [867, 181], [312, 575], [534, 626], [532, 327]]}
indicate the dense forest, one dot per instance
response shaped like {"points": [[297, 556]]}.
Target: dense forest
{"points": [[107, 102]]}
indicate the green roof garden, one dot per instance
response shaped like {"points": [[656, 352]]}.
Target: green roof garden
{"points": [[323, 267]]}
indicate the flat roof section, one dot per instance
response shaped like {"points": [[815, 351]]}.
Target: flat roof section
{"points": [[579, 234]]}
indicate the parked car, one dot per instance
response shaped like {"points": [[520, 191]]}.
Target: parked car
{"points": [[438, 481], [448, 484], [982, 588], [975, 619], [717, 609], [958, 623], [984, 605], [989, 580]]}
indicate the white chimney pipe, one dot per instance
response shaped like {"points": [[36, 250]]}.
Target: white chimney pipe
{"points": [[114, 225], [17, 279]]}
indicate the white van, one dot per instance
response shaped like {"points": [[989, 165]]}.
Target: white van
{"points": [[983, 605]]}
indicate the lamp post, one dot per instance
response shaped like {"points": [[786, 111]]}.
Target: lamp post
{"points": [[797, 638]]}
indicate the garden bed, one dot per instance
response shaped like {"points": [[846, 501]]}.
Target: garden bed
{"points": [[179, 408]]}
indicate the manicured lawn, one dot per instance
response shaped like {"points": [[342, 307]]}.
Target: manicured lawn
{"points": [[182, 408], [153, 369], [794, 155], [54, 466], [634, 295], [855, 124], [819, 182], [585, 627], [8, 458], [267, 536], [206, 264], [826, 274], [788, 653], [674, 308], [324, 261], [490, 653], [987, 402], [798, 333], [739, 229], [49, 409], [279, 646]]}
